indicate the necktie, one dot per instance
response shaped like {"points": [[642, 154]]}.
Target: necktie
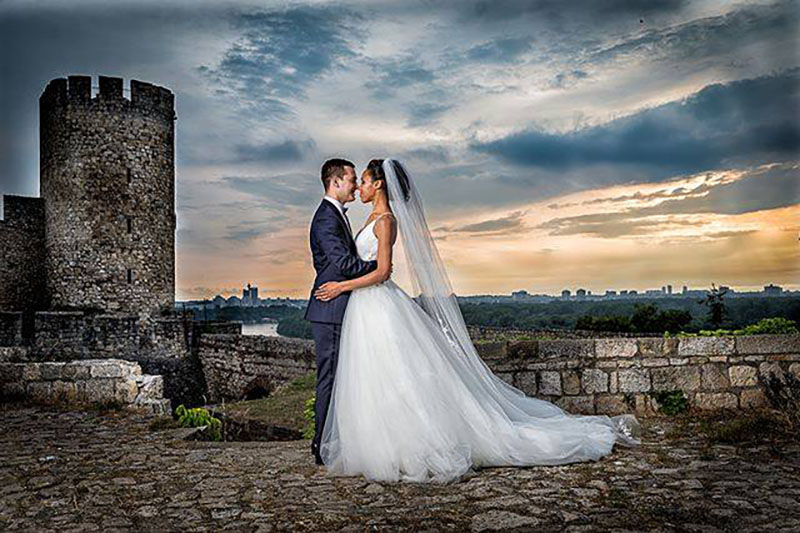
{"points": [[344, 214]]}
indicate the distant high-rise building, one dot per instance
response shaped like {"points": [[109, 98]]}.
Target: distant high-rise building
{"points": [[685, 289], [669, 289], [580, 292], [565, 293]]}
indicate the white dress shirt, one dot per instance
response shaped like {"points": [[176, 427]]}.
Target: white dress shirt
{"points": [[339, 206]]}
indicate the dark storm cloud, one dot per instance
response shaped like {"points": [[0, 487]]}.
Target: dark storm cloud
{"points": [[761, 190], [280, 152], [744, 121], [281, 51]]}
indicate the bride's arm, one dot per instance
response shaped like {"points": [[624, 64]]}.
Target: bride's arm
{"points": [[386, 232]]}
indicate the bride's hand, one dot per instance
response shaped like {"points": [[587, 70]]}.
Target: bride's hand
{"points": [[328, 291]]}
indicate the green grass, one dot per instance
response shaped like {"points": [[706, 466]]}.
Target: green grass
{"points": [[283, 408]]}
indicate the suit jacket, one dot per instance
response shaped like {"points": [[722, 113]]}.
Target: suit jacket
{"points": [[335, 259]]}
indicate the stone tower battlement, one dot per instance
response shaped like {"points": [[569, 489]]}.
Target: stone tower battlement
{"points": [[107, 178]]}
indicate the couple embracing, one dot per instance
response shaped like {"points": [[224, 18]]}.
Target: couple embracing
{"points": [[401, 393]]}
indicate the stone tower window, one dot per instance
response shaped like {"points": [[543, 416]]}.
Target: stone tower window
{"points": [[130, 276], [129, 221], [128, 174]]}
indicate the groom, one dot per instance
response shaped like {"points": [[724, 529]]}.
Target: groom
{"points": [[335, 259]]}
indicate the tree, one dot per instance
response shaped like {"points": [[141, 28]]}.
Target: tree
{"points": [[717, 311]]}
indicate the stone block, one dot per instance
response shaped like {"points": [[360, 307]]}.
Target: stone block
{"points": [[714, 377], [12, 390], [40, 391], [774, 369], [96, 390], [526, 382], [651, 346], [113, 368], [767, 344], [794, 368], [705, 346], [716, 400], [10, 372], [610, 404], [50, 371], [576, 404], [150, 387], [508, 377], [126, 391], [570, 382], [523, 349], [76, 370], [65, 392], [566, 348], [550, 382], [492, 350], [613, 383], [594, 381], [659, 361], [616, 348], [30, 372], [685, 378], [752, 398], [743, 376], [634, 380]]}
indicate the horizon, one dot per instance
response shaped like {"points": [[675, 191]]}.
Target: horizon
{"points": [[627, 143]]}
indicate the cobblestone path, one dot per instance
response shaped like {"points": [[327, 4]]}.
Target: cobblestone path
{"points": [[107, 471]]}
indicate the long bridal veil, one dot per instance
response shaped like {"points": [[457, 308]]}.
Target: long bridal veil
{"points": [[436, 297]]}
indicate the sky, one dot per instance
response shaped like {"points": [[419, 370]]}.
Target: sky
{"points": [[596, 144]]}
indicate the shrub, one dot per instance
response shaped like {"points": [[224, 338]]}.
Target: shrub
{"points": [[309, 415], [783, 395], [671, 402], [199, 417]]}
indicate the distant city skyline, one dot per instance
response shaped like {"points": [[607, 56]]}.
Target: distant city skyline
{"points": [[624, 144]]}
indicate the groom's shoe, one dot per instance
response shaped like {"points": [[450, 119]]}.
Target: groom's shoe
{"points": [[317, 456]]}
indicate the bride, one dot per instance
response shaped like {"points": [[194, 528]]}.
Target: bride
{"points": [[412, 400]]}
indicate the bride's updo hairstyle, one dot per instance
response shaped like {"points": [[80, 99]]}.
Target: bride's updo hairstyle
{"points": [[375, 168]]}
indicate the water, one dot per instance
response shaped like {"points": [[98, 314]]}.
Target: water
{"points": [[269, 329]]}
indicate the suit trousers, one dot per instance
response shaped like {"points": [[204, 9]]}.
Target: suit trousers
{"points": [[326, 344]]}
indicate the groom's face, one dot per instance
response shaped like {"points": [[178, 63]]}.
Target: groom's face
{"points": [[346, 185]]}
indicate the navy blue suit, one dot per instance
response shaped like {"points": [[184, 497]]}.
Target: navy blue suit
{"points": [[335, 259]]}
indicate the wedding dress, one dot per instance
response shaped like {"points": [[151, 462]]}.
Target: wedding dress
{"points": [[409, 403]]}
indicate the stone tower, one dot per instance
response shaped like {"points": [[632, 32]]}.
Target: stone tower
{"points": [[107, 172]]}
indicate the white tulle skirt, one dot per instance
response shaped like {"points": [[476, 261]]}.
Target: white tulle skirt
{"points": [[407, 406]]}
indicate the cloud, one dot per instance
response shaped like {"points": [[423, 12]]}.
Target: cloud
{"points": [[500, 225], [709, 36], [744, 121], [501, 50], [280, 52], [279, 152], [758, 190], [292, 189]]}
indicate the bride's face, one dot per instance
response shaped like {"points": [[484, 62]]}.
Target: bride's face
{"points": [[366, 190]]}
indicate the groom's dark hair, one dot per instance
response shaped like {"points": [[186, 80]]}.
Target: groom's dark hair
{"points": [[333, 168]]}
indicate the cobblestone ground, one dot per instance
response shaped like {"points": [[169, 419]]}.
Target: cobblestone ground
{"points": [[105, 471]]}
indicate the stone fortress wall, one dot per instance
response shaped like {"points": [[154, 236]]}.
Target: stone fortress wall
{"points": [[587, 376]]}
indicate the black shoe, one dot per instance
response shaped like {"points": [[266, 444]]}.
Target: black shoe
{"points": [[318, 459]]}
